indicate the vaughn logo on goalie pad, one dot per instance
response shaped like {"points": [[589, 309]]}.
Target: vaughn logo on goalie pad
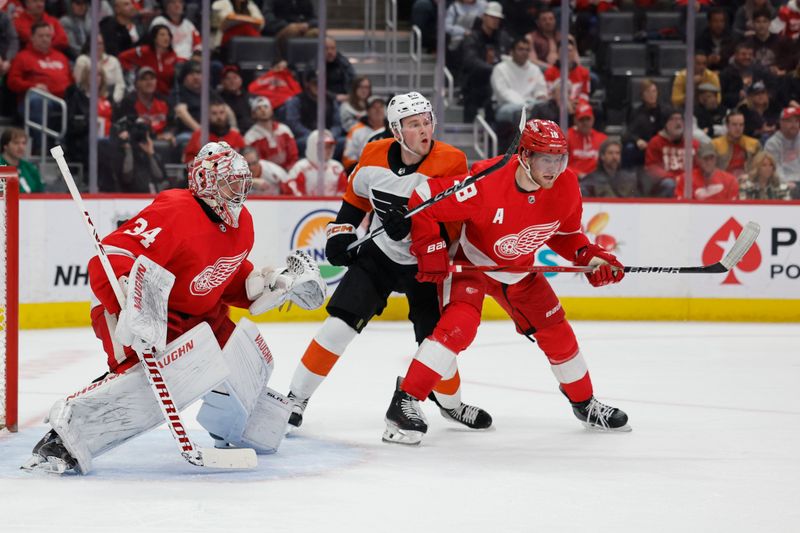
{"points": [[265, 351]]}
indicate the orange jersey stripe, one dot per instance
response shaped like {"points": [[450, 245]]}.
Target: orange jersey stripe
{"points": [[449, 386], [319, 360]]}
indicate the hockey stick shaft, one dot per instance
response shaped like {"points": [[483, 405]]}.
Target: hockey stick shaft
{"points": [[158, 385], [512, 149], [740, 247]]}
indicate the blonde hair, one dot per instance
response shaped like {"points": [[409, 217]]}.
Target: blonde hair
{"points": [[759, 158]]}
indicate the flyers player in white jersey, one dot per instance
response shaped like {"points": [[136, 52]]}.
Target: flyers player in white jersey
{"points": [[531, 201], [387, 173]]}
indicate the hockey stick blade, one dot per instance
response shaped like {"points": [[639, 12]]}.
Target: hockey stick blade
{"points": [[740, 247], [743, 243], [512, 149], [230, 458]]}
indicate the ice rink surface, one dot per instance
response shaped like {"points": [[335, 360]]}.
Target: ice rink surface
{"points": [[715, 412]]}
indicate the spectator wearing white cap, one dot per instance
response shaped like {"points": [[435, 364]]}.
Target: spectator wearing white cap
{"points": [[784, 146], [304, 176], [273, 140]]}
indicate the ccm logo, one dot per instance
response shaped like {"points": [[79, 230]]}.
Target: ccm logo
{"points": [[435, 247]]}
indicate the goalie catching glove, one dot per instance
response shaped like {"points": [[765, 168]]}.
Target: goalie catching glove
{"points": [[603, 274], [299, 281]]}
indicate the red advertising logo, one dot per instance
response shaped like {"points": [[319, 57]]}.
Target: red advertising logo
{"points": [[720, 243]]}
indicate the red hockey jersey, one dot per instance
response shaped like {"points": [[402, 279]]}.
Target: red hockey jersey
{"points": [[504, 225], [208, 258]]}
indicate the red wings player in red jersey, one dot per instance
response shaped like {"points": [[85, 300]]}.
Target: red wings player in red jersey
{"points": [[202, 234], [531, 201]]}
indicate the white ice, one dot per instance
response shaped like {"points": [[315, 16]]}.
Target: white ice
{"points": [[714, 409]]}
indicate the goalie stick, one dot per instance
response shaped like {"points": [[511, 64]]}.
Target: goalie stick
{"points": [[208, 457], [512, 149], [740, 247]]}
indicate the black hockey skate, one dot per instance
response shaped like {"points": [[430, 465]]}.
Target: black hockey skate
{"points": [[469, 415], [405, 421], [298, 408], [49, 455], [598, 416]]}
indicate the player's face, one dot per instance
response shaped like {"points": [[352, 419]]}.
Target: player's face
{"points": [[418, 133], [545, 168]]}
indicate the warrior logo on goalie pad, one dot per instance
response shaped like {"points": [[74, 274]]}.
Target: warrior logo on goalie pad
{"points": [[526, 241], [215, 275]]}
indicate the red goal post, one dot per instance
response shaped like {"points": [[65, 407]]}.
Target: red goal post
{"points": [[9, 296]]}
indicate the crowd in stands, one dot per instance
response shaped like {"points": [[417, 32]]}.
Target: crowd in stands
{"points": [[506, 57], [626, 135]]}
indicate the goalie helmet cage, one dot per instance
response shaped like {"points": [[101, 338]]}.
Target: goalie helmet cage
{"points": [[9, 308]]}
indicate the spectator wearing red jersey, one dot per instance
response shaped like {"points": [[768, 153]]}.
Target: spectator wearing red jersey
{"points": [[579, 78], [709, 182], [664, 156], [787, 23], [273, 140], [583, 142], [304, 176], [219, 129], [39, 66], [157, 54], [143, 103], [185, 37], [33, 13]]}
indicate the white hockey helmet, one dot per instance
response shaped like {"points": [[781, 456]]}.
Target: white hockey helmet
{"points": [[407, 105], [221, 178]]}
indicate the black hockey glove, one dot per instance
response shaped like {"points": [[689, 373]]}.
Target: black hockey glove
{"points": [[395, 223], [340, 236]]}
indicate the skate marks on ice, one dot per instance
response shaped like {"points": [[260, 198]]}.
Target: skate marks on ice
{"points": [[152, 457]]}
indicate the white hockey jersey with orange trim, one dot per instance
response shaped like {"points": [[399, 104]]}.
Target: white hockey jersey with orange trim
{"points": [[381, 179]]}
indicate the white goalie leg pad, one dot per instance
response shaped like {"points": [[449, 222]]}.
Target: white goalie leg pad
{"points": [[110, 412], [236, 412]]}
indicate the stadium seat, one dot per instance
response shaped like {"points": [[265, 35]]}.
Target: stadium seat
{"points": [[663, 24], [301, 52], [627, 59], [616, 26], [252, 53], [669, 58]]}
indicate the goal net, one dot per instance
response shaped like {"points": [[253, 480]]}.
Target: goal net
{"points": [[9, 267]]}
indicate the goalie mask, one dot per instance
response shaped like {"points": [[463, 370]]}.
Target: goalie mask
{"points": [[542, 148], [221, 178], [403, 106]]}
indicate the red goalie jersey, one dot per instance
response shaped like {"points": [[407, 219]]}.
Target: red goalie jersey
{"points": [[504, 225], [207, 257]]}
